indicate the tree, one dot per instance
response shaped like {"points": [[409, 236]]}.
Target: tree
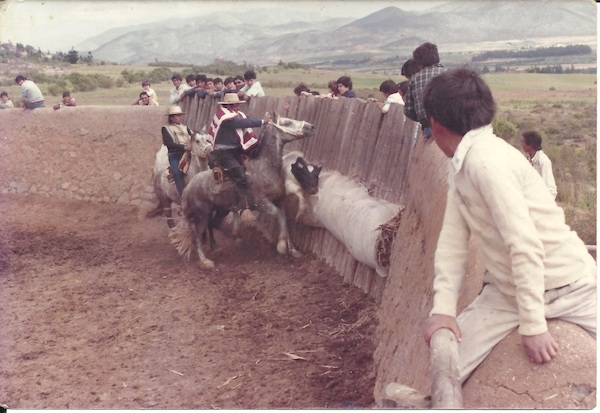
{"points": [[72, 57]]}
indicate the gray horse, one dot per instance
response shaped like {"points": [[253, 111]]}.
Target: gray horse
{"points": [[165, 190], [204, 197]]}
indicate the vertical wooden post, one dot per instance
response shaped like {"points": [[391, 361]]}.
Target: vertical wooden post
{"points": [[446, 389]]}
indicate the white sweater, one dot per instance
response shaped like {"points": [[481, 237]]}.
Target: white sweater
{"points": [[527, 248]]}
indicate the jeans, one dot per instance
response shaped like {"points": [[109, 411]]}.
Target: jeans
{"points": [[174, 159], [32, 105]]}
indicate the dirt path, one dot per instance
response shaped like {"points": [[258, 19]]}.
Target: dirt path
{"points": [[98, 311]]}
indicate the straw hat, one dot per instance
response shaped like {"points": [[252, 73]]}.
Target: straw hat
{"points": [[175, 110], [230, 99]]}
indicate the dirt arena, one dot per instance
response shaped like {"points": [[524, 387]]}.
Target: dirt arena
{"points": [[100, 312]]}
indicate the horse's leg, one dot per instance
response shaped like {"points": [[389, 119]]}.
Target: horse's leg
{"points": [[284, 241], [169, 215], [201, 223]]}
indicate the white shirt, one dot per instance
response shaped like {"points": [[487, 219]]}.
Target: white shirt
{"points": [[543, 165], [175, 94], [255, 90], [496, 196], [393, 98]]}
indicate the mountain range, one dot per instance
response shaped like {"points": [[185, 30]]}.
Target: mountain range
{"points": [[280, 35]]}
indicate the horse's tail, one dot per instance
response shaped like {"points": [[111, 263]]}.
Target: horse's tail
{"points": [[182, 237]]}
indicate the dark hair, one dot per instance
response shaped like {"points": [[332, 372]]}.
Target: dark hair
{"points": [[189, 78], [228, 79], [410, 68], [19, 78], [403, 87], [200, 78], [3, 94], [144, 93], [533, 139], [388, 87], [426, 55], [176, 77], [65, 94], [238, 77], [459, 100], [301, 88], [145, 82], [249, 75], [217, 80], [346, 81]]}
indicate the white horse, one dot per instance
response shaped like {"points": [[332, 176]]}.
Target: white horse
{"points": [[165, 189], [202, 198]]}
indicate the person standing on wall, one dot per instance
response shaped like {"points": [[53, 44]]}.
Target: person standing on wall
{"points": [[31, 95]]}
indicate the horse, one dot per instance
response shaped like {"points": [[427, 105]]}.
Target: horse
{"points": [[166, 191], [203, 197], [300, 178]]}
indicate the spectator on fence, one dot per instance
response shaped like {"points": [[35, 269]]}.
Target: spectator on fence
{"points": [[238, 82], [531, 142], [402, 88], [344, 85], [31, 95], [302, 90], [428, 59], [229, 85], [177, 92], [145, 100], [67, 100], [252, 86], [537, 268], [218, 88], [410, 68], [333, 89], [200, 89], [5, 102], [178, 139], [151, 93], [389, 90]]}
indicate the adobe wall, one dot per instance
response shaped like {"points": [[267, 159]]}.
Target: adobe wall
{"points": [[100, 154]]}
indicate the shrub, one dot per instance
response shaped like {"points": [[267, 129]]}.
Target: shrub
{"points": [[504, 128]]}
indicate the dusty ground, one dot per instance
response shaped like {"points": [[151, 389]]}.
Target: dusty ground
{"points": [[98, 311]]}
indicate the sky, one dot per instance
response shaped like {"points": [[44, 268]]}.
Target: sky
{"points": [[59, 25]]}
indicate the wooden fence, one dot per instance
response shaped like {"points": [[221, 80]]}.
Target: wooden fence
{"points": [[352, 137]]}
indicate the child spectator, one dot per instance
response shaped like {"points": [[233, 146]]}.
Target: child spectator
{"points": [[389, 90], [427, 58], [333, 89], [67, 100], [201, 86], [344, 85], [5, 102], [252, 86], [402, 88], [537, 268], [239, 82], [218, 88], [531, 143], [229, 85], [151, 93]]}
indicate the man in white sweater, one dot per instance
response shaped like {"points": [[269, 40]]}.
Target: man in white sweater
{"points": [[536, 267]]}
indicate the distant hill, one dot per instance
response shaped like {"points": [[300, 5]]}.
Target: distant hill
{"points": [[281, 35]]}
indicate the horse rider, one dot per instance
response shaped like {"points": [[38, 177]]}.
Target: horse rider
{"points": [[233, 136], [177, 138]]}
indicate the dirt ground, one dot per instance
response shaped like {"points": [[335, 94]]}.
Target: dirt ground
{"points": [[99, 311]]}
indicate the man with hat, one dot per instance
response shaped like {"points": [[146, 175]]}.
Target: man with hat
{"points": [[177, 138], [232, 133]]}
